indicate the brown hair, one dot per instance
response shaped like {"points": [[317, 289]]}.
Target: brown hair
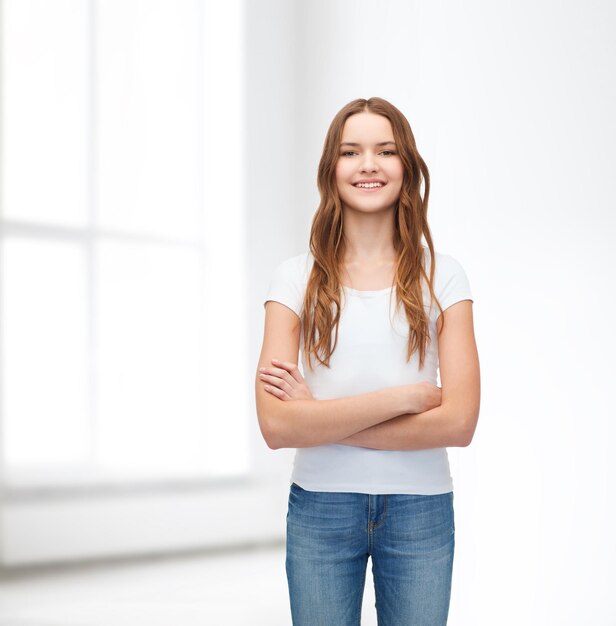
{"points": [[327, 245]]}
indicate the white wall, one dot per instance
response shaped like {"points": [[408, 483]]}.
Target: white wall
{"points": [[512, 108]]}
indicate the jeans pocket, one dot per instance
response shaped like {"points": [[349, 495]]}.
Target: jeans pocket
{"points": [[296, 497]]}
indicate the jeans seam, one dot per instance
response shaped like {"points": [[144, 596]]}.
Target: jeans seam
{"points": [[382, 520], [362, 596], [369, 528], [376, 596]]}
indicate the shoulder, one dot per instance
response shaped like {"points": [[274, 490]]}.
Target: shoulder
{"points": [[451, 282], [288, 281]]}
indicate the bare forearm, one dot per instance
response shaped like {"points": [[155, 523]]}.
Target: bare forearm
{"points": [[436, 428], [308, 423]]}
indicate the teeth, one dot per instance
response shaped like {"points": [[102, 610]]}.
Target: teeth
{"points": [[368, 185]]}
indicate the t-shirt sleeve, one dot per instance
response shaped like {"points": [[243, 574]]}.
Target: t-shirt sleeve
{"points": [[454, 284], [285, 286]]}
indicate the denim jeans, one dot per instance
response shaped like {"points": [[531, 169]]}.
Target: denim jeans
{"points": [[411, 540]]}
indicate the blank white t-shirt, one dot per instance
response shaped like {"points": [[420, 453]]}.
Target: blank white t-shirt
{"points": [[370, 355]]}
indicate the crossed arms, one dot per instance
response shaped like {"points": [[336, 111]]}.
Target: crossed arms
{"points": [[387, 419]]}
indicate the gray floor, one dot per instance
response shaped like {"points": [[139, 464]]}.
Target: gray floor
{"points": [[241, 588]]}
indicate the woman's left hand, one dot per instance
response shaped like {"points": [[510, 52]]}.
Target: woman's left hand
{"points": [[285, 381]]}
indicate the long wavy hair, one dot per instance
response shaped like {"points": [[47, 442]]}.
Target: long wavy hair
{"points": [[322, 299]]}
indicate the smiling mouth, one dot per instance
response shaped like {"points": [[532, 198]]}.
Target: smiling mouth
{"points": [[370, 188]]}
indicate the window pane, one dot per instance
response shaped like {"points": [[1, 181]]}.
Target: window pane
{"points": [[149, 107], [45, 110], [150, 349], [44, 356]]}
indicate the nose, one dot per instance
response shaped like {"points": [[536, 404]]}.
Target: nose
{"points": [[368, 163]]}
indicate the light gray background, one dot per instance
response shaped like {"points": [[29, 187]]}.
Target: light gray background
{"points": [[512, 106]]}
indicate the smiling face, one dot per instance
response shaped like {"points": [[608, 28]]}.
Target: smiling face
{"points": [[373, 156]]}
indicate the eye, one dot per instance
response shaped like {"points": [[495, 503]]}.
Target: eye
{"points": [[383, 152]]}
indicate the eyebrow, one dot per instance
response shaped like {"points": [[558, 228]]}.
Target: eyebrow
{"points": [[381, 143]]}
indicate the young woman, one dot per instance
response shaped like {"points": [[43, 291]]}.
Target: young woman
{"points": [[377, 312]]}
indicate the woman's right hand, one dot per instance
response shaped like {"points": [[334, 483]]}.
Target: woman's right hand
{"points": [[422, 396]]}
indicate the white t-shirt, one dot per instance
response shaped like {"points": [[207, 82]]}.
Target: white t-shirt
{"points": [[370, 355]]}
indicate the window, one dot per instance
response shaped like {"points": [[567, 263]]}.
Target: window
{"points": [[121, 242]]}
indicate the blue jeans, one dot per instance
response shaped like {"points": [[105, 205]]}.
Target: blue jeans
{"points": [[411, 540]]}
